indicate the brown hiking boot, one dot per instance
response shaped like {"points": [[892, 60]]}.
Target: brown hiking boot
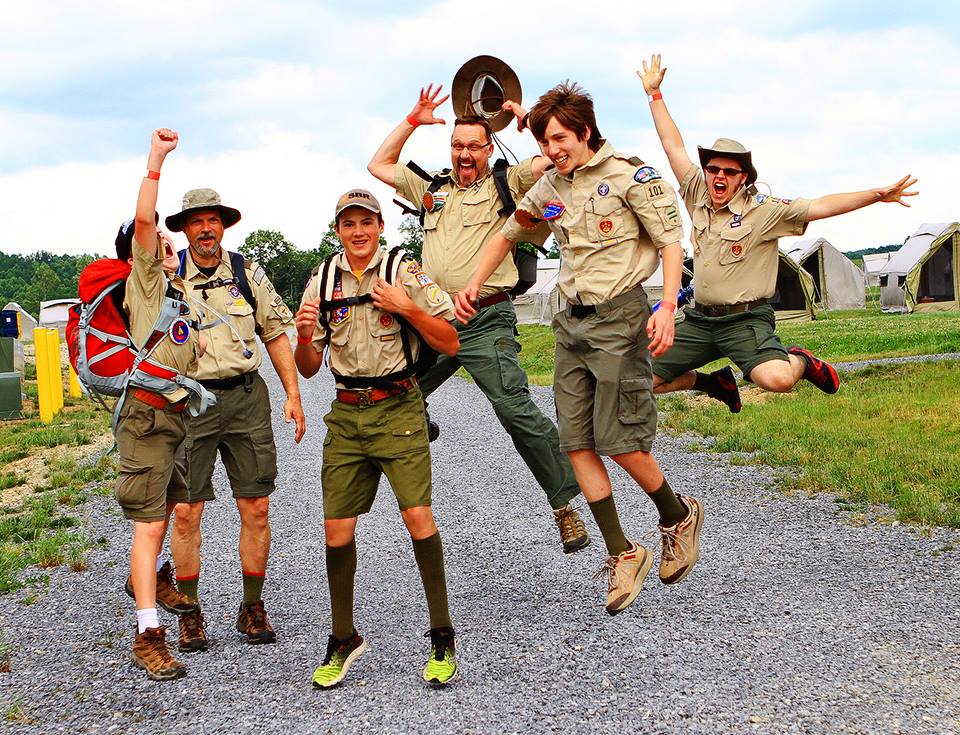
{"points": [[681, 543], [193, 632], [254, 623], [573, 533], [625, 573], [150, 653], [168, 596]]}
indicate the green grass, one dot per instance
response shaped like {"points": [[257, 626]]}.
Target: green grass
{"points": [[889, 436]]}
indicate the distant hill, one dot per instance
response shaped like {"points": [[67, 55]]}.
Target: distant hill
{"points": [[857, 255]]}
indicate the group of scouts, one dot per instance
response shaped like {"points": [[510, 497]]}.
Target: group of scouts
{"points": [[375, 313]]}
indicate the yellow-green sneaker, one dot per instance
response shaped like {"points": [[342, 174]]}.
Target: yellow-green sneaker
{"points": [[442, 664], [340, 655]]}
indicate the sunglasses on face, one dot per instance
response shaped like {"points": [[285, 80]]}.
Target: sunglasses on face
{"points": [[714, 170]]}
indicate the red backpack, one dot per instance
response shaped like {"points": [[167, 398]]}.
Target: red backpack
{"points": [[102, 352]]}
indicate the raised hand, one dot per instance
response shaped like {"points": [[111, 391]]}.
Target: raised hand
{"points": [[428, 102], [896, 192], [163, 141], [517, 110], [652, 76]]}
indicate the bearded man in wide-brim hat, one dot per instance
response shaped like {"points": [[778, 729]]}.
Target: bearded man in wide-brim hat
{"points": [[736, 260]]}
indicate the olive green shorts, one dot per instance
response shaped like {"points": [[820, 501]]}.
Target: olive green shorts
{"points": [[238, 427], [747, 339], [389, 438], [602, 382], [148, 439]]}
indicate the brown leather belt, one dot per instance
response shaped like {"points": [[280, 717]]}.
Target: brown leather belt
{"points": [[367, 396], [727, 309], [494, 298], [158, 401]]}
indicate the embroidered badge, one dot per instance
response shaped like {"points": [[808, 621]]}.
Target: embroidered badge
{"points": [[234, 292], [735, 222], [654, 190], [413, 267], [553, 209], [386, 320], [424, 280], [605, 226], [761, 198], [179, 331], [433, 201], [786, 201], [603, 189], [527, 220], [670, 215], [434, 294], [737, 250], [338, 316], [258, 275], [645, 174]]}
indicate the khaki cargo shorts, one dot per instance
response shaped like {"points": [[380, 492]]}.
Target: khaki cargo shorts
{"points": [[747, 339], [148, 439], [238, 426], [602, 381], [389, 438]]}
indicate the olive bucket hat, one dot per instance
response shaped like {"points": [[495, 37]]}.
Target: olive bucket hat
{"points": [[729, 148], [197, 199]]}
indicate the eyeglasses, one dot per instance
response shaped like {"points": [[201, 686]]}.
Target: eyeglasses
{"points": [[472, 147], [714, 170]]}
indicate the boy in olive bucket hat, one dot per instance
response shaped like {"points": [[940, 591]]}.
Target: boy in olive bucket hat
{"points": [[736, 260]]}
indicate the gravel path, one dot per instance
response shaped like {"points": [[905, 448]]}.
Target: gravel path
{"points": [[796, 620]]}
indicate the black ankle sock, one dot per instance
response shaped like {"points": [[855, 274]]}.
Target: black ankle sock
{"points": [[703, 382]]}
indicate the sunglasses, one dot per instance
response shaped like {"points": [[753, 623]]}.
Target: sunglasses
{"points": [[714, 170]]}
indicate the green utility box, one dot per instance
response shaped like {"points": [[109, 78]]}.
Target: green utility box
{"points": [[11, 396], [11, 355]]}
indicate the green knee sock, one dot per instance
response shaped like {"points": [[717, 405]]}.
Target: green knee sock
{"points": [[671, 509], [605, 514], [189, 586], [429, 555], [253, 586], [341, 569]]}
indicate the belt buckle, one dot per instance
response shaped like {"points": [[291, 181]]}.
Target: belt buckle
{"points": [[363, 397]]}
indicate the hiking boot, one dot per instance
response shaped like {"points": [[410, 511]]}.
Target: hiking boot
{"points": [[340, 656], [681, 543], [253, 621], [724, 388], [150, 653], [573, 533], [442, 664], [168, 596], [625, 574], [193, 632], [821, 374]]}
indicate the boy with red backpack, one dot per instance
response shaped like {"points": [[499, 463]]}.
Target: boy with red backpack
{"points": [[150, 422]]}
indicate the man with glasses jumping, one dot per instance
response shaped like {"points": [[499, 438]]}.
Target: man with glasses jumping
{"points": [[736, 258], [459, 217]]}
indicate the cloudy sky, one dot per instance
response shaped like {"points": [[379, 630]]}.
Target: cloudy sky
{"points": [[279, 105]]}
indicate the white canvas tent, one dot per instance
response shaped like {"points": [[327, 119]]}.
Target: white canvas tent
{"points": [[924, 274], [54, 313], [873, 264], [837, 282], [542, 301], [27, 322]]}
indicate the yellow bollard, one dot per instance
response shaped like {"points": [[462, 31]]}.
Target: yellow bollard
{"points": [[56, 369], [44, 394], [74, 382]]}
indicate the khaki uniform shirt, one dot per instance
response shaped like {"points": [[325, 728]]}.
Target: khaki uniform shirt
{"points": [[224, 356], [145, 291], [615, 219], [365, 341], [735, 251], [454, 236]]}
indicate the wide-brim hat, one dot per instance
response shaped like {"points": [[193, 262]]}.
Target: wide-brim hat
{"points": [[481, 86], [197, 199], [729, 148]]}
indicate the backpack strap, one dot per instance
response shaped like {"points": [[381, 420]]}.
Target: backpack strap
{"points": [[435, 183], [500, 167], [239, 268]]}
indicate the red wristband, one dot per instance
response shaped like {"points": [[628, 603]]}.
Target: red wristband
{"points": [[654, 96], [413, 121], [153, 175], [669, 306], [302, 341]]}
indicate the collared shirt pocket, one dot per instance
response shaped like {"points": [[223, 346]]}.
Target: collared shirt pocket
{"points": [[477, 209], [734, 242], [384, 326], [605, 220], [242, 318]]}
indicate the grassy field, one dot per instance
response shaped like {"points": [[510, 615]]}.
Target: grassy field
{"points": [[39, 487], [890, 435]]}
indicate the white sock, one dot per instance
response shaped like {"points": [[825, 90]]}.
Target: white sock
{"points": [[147, 618], [159, 560]]}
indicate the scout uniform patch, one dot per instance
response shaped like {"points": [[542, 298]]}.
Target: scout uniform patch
{"points": [[553, 209], [343, 313], [737, 250], [423, 279], [603, 188], [670, 215], [645, 174], [527, 220], [654, 190], [433, 201], [606, 226], [386, 320], [234, 292], [179, 331], [413, 267], [434, 294]]}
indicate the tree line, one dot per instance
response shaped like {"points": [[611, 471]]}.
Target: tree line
{"points": [[30, 279]]}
